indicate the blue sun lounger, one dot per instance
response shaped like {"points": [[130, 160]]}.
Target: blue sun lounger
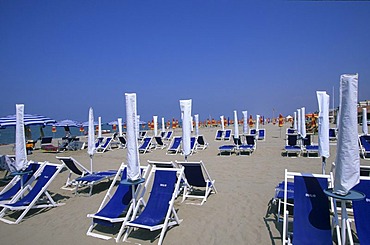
{"points": [[361, 211], [248, 147], [174, 147], [159, 212], [31, 196], [219, 134], [145, 146], [292, 148]]}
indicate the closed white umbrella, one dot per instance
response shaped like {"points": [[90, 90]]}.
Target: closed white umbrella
{"points": [[303, 122], [196, 117], [245, 122], [133, 164], [257, 122], [347, 162], [99, 129], [236, 126], [191, 124], [155, 122], [222, 123], [299, 121], [120, 126], [323, 100], [185, 106], [20, 140], [163, 125], [295, 121], [91, 137], [364, 121]]}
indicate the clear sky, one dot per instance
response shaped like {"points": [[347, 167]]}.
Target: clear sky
{"points": [[61, 57]]}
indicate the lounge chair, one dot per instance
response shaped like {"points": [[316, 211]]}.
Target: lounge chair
{"points": [[106, 146], [261, 134], [279, 197], [19, 180], [227, 135], [113, 209], [159, 143], [142, 135], [201, 143], [174, 147], [361, 211], [32, 196], [311, 212], [332, 134], [364, 142], [199, 183], [227, 150], [193, 145], [122, 141], [310, 149], [85, 178], [145, 146], [253, 131], [219, 134], [292, 148], [291, 131], [163, 134], [168, 136], [248, 147], [159, 212], [46, 145]]}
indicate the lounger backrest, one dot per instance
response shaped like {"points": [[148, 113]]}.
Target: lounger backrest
{"points": [[71, 165], [292, 139], [364, 142], [250, 139], [261, 133], [176, 143], [122, 139], [194, 174], [158, 139], [107, 142], [44, 178], [361, 211], [169, 134], [32, 168], [307, 140], [46, 140], [332, 132], [219, 133], [160, 197], [311, 223], [192, 142], [200, 140], [145, 143], [227, 133]]}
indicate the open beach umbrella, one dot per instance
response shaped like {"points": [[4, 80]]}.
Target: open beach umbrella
{"points": [[133, 164], [364, 121], [222, 123], [119, 120], [295, 121], [347, 162], [303, 122], [155, 122], [185, 106], [28, 119], [323, 100], [236, 126], [91, 137], [196, 117], [66, 124], [245, 122]]}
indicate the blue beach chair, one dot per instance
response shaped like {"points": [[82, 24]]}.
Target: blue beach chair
{"points": [[219, 134], [145, 146], [364, 142], [361, 211], [159, 212], [31, 196], [227, 135], [248, 147], [292, 148], [174, 147]]}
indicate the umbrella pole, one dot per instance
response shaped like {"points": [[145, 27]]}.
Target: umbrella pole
{"points": [[91, 163], [323, 164]]}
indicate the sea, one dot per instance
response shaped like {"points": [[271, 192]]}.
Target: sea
{"points": [[7, 135]]}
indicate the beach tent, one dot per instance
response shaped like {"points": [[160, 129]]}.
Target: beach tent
{"points": [[91, 138], [133, 164], [364, 121], [245, 122], [185, 106], [324, 151]]}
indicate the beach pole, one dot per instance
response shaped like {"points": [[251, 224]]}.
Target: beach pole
{"points": [[323, 164]]}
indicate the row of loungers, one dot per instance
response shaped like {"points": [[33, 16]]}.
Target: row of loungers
{"points": [[311, 213], [226, 135]]}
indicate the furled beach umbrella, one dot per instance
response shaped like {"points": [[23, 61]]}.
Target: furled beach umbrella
{"points": [[20, 141], [347, 162], [133, 164], [222, 123], [257, 122], [91, 137], [196, 116], [185, 106], [155, 122], [236, 126], [303, 122], [163, 125], [364, 121], [299, 121], [324, 151], [99, 127], [245, 122], [295, 121], [120, 131]]}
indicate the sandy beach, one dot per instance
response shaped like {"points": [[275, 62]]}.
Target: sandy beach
{"points": [[238, 214]]}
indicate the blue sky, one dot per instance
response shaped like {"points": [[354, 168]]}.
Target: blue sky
{"points": [[61, 57]]}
